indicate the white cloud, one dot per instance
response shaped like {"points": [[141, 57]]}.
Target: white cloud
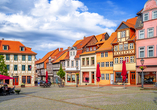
{"points": [[61, 19]]}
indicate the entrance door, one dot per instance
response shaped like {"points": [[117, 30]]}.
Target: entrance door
{"points": [[15, 80], [92, 77], [111, 78], [132, 78]]}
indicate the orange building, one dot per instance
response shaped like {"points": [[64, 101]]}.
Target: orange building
{"points": [[104, 57]]}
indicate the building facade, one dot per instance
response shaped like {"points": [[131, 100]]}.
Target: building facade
{"points": [[20, 61], [124, 49], [146, 42]]}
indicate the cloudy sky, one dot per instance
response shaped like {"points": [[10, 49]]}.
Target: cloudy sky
{"points": [[45, 25]]}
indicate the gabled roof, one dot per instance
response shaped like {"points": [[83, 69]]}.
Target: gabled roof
{"points": [[78, 41], [107, 45], [130, 23], [67, 56], [59, 55], [99, 37], [78, 53], [87, 53], [14, 47], [49, 54]]}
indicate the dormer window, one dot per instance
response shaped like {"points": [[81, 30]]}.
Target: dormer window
{"points": [[90, 48], [87, 49], [5, 47], [146, 17], [22, 48]]}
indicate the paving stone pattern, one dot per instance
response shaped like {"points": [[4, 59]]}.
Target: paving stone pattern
{"points": [[81, 98]]}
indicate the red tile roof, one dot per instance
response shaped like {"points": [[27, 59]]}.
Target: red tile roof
{"points": [[78, 41], [59, 54], [67, 56], [99, 37], [61, 57], [14, 47], [78, 53]]}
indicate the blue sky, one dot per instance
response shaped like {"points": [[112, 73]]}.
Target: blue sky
{"points": [[45, 26]]}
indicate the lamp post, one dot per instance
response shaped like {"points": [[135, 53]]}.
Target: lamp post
{"points": [[77, 77], [142, 62]]}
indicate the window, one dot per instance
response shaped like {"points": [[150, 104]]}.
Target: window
{"points": [[28, 79], [5, 47], [23, 57], [83, 61], [15, 68], [90, 48], [107, 64], [92, 60], [150, 51], [74, 53], [120, 47], [132, 59], [146, 17], [116, 60], [76, 63], [29, 58], [22, 48], [106, 54], [141, 34], [150, 32], [127, 59], [154, 15], [94, 48], [87, 59], [102, 54], [102, 77], [68, 63], [102, 64], [111, 64], [15, 57], [24, 79], [131, 46], [141, 52], [87, 49], [7, 57], [125, 46], [73, 78], [72, 63], [107, 76], [23, 67], [122, 34], [116, 48], [68, 77], [70, 53], [29, 67], [8, 67], [121, 59]]}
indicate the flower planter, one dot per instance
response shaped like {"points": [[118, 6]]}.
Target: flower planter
{"points": [[22, 86]]}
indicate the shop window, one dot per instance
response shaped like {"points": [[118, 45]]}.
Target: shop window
{"points": [[7, 81], [149, 77], [24, 79], [7, 57], [119, 77], [73, 78], [28, 79], [102, 77], [85, 77], [68, 77], [23, 57]]}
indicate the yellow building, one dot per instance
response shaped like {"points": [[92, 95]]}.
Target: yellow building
{"points": [[124, 49], [104, 57]]}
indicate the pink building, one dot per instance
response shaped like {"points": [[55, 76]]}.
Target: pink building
{"points": [[146, 42]]}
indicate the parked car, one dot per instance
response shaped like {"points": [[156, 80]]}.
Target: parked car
{"points": [[44, 84]]}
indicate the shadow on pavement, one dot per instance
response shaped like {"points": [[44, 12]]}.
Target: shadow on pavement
{"points": [[155, 98], [14, 96]]}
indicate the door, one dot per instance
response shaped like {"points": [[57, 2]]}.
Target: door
{"points": [[15, 80], [92, 77], [132, 78], [111, 78]]}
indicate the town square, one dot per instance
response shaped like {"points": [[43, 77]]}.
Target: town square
{"points": [[78, 54]]}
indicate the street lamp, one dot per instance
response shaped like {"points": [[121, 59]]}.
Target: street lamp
{"points": [[77, 77], [142, 62]]}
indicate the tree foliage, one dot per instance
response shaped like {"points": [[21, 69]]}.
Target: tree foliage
{"points": [[61, 72], [3, 66]]}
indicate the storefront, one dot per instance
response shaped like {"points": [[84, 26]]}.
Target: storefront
{"points": [[71, 78]]}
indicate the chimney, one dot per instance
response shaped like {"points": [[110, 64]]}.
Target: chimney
{"points": [[61, 49], [69, 48], [103, 37], [2, 38]]}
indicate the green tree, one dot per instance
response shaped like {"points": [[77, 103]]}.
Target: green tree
{"points": [[3, 66], [61, 72]]}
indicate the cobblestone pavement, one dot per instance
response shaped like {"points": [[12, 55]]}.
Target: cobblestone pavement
{"points": [[81, 98]]}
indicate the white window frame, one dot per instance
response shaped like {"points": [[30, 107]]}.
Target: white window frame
{"points": [[132, 60], [120, 47], [153, 17], [116, 60], [131, 46], [116, 48], [150, 49], [140, 51], [127, 58], [148, 33], [102, 54], [76, 63], [123, 34], [144, 16], [70, 53], [125, 46], [121, 59], [142, 33], [73, 53]]}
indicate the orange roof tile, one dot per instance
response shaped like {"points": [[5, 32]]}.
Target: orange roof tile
{"points": [[87, 53], [67, 56], [99, 37], [61, 57], [78, 53], [51, 53], [107, 44], [132, 20], [14, 47], [78, 41]]}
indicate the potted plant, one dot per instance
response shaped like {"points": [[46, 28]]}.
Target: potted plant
{"points": [[23, 85], [17, 91], [142, 67]]}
